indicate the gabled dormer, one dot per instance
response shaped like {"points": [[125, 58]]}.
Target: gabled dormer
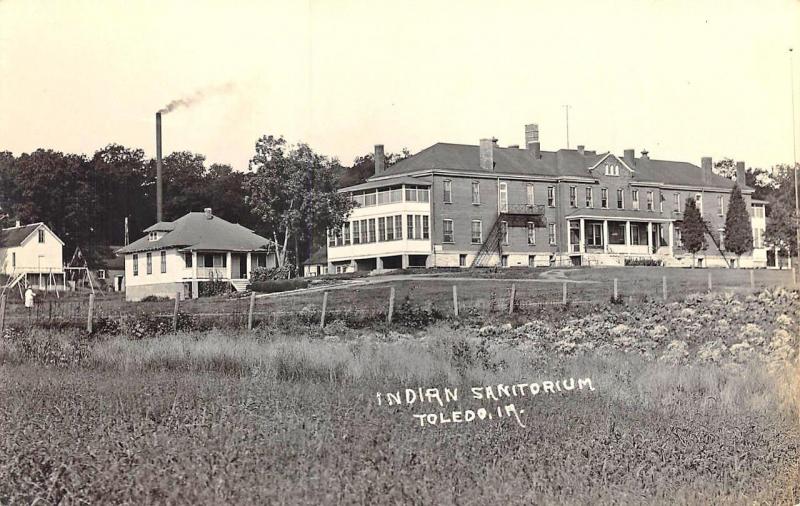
{"points": [[611, 166]]}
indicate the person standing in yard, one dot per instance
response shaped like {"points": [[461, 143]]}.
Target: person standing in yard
{"points": [[29, 296]]}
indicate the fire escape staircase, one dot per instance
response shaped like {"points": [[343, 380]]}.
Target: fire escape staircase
{"points": [[514, 216]]}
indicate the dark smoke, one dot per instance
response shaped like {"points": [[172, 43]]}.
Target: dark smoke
{"points": [[196, 97]]}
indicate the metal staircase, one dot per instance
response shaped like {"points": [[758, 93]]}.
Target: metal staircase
{"points": [[515, 216]]}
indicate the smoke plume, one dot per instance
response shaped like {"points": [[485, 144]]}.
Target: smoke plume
{"points": [[197, 96]]}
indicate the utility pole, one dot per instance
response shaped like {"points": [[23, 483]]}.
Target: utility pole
{"points": [[566, 109], [796, 168]]}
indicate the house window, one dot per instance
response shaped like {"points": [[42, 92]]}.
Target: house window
{"points": [[381, 229], [503, 197], [331, 238], [208, 261], [504, 260], [589, 197], [698, 200], [476, 192], [552, 233], [676, 201], [152, 236], [187, 259], [447, 231], [661, 200], [14, 259], [531, 233], [612, 169], [504, 231], [531, 196], [371, 230], [163, 262], [720, 206], [41, 236], [411, 194], [604, 198], [425, 228], [649, 201], [616, 232], [462, 260], [364, 236], [758, 237], [149, 261], [758, 211], [620, 198], [448, 192], [477, 234], [422, 195], [356, 233], [595, 234], [573, 196], [551, 196], [410, 226], [135, 264], [635, 199], [101, 274], [346, 233], [398, 226], [678, 237], [417, 227], [531, 260]]}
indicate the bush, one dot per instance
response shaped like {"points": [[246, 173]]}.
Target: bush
{"points": [[272, 273], [412, 315], [154, 298], [213, 288], [644, 262], [279, 285]]}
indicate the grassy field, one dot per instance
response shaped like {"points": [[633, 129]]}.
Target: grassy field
{"points": [[291, 415]]}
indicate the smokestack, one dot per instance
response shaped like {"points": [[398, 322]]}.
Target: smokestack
{"points": [[740, 175], [705, 165], [535, 149], [629, 157], [487, 154], [581, 148], [380, 160], [159, 194], [531, 134]]}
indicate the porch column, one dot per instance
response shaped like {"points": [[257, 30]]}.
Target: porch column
{"points": [[404, 261], [195, 285], [248, 264], [353, 265], [649, 237], [230, 265], [628, 233], [670, 234], [379, 263], [582, 235], [605, 236]]}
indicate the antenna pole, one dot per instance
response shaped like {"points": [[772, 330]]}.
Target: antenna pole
{"points": [[566, 109], [796, 168]]}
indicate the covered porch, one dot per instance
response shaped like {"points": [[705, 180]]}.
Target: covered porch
{"points": [[634, 236], [234, 266]]}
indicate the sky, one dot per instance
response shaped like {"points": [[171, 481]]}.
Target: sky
{"points": [[681, 79]]}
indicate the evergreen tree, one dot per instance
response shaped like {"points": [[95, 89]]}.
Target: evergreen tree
{"points": [[693, 230], [738, 231]]}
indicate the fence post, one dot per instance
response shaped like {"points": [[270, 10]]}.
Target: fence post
{"points": [[511, 300], [2, 313], [752, 279], [664, 287], [175, 312], [616, 292], [709, 281], [391, 305], [455, 300], [91, 310], [564, 293], [324, 308], [250, 311]]}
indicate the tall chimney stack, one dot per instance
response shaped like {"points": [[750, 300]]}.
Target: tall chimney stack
{"points": [[629, 157], [380, 160], [705, 165], [535, 149], [487, 154], [159, 194], [741, 180]]}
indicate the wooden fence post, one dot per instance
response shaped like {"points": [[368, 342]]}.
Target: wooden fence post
{"points": [[391, 305], [616, 292], [2, 313], [324, 308], [664, 287], [752, 279], [250, 311], [709, 281], [455, 300], [175, 312], [564, 293], [91, 311], [511, 299]]}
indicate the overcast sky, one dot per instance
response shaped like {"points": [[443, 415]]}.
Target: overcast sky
{"points": [[681, 79]]}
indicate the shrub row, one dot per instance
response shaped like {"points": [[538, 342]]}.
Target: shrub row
{"points": [[279, 285]]}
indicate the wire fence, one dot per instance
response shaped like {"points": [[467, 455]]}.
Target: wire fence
{"points": [[377, 300]]}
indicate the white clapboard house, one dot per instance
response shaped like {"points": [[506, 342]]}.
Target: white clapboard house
{"points": [[31, 255], [177, 257]]}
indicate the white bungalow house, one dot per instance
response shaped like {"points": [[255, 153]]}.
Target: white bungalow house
{"points": [[176, 257], [32, 253]]}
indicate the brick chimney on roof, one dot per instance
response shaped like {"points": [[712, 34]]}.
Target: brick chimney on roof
{"points": [[629, 157], [487, 154], [380, 160], [741, 180], [705, 165]]}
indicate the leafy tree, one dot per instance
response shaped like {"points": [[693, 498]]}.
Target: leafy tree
{"points": [[364, 167], [294, 193], [725, 168], [738, 230], [693, 230], [781, 218], [8, 197]]}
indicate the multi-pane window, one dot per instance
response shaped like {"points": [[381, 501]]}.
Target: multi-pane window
{"points": [[503, 197], [398, 226], [187, 260], [758, 211], [604, 198], [477, 234], [356, 232], [676, 201], [476, 192], [620, 198], [573, 196], [364, 234], [531, 233], [551, 233], [41, 236], [551, 196], [649, 201], [661, 200], [390, 228], [152, 236], [447, 231], [447, 189], [462, 260], [504, 231], [721, 205], [382, 229], [163, 262], [589, 197], [346, 234], [410, 226], [149, 261], [758, 237], [417, 227], [612, 169], [331, 238], [531, 196], [425, 228], [635, 199], [135, 264], [371, 230]]}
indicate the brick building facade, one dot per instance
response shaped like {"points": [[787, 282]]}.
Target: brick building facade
{"points": [[485, 205]]}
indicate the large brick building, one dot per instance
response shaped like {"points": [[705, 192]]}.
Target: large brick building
{"points": [[484, 205]]}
